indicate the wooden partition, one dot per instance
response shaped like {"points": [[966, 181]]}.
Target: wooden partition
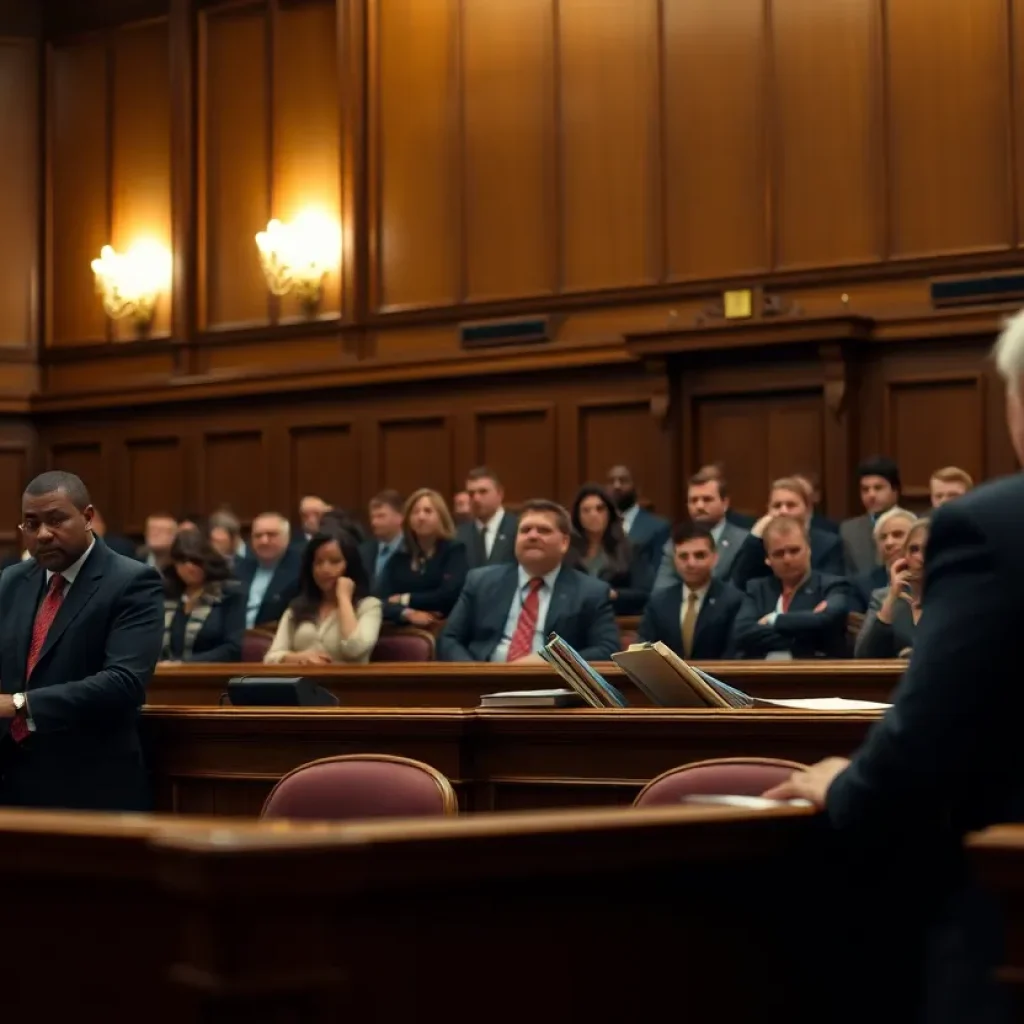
{"points": [[208, 761], [461, 685], [517, 916]]}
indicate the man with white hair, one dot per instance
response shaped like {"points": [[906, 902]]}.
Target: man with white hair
{"points": [[271, 576], [947, 757]]}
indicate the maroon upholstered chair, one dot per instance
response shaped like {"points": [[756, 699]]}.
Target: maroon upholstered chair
{"points": [[353, 786], [404, 643], [255, 644], [725, 776]]}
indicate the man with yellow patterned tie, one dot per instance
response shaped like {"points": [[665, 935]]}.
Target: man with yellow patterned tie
{"points": [[696, 619]]}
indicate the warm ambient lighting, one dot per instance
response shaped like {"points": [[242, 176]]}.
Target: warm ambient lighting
{"points": [[131, 282], [296, 257]]}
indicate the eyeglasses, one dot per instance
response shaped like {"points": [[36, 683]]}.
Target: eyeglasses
{"points": [[54, 524]]}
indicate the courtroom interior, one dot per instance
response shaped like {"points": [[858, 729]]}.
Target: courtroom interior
{"points": [[527, 421]]}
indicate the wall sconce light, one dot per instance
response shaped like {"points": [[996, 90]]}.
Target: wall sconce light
{"points": [[297, 256], [130, 282]]}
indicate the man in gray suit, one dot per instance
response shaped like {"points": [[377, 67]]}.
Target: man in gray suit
{"points": [[879, 482], [490, 536], [707, 501], [506, 612]]}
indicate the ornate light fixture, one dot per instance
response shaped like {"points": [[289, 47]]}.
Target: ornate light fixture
{"points": [[130, 282], [297, 256]]}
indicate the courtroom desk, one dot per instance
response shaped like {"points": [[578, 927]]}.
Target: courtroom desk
{"points": [[435, 684], [225, 761], [500, 917]]}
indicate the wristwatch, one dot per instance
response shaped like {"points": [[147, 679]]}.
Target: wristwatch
{"points": [[18, 700]]}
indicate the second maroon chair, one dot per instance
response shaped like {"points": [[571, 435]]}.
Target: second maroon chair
{"points": [[725, 776]]}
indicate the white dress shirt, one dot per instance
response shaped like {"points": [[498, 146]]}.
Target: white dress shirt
{"points": [[515, 610], [490, 529], [629, 517]]}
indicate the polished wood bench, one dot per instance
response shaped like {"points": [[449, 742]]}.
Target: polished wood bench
{"points": [[225, 761], [597, 915], [459, 685]]}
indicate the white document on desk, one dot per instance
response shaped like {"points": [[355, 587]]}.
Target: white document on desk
{"points": [[823, 704]]}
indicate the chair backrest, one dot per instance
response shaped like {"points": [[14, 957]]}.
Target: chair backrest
{"points": [[725, 776], [353, 786], [255, 645], [404, 643]]}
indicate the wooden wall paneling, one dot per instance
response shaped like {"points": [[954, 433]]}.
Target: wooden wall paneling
{"points": [[615, 430], [415, 191], [15, 473], [1016, 42], [237, 470], [415, 451], [949, 127], [88, 461], [611, 193], [509, 158], [519, 442], [307, 126], [78, 204], [324, 459], [1000, 458], [141, 150], [716, 125], [828, 139], [19, 192], [153, 477], [235, 172]]}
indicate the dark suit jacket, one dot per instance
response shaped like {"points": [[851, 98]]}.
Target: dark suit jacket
{"points": [[749, 564], [215, 630], [740, 519], [864, 585], [801, 631], [819, 521], [368, 551], [947, 758], [120, 545], [649, 534], [503, 550], [579, 612], [434, 587], [88, 685], [282, 589], [713, 637]]}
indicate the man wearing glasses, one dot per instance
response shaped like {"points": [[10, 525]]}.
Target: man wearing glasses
{"points": [[80, 634]]}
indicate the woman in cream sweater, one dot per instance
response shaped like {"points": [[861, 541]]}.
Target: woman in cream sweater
{"points": [[333, 619]]}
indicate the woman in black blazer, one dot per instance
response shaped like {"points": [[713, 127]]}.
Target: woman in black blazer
{"points": [[601, 549], [204, 608], [421, 582]]}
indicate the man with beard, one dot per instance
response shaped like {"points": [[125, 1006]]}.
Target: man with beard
{"points": [[81, 629], [647, 532]]}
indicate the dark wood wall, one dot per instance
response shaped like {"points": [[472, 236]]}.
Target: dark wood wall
{"points": [[614, 164]]}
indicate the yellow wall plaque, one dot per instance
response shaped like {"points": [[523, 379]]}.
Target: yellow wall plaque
{"points": [[738, 305]]}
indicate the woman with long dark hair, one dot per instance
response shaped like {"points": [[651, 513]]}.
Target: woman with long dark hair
{"points": [[333, 618], [204, 608], [600, 548]]}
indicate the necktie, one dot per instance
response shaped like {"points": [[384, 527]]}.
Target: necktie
{"points": [[383, 553], [44, 620], [690, 623], [480, 543], [787, 599], [522, 638]]}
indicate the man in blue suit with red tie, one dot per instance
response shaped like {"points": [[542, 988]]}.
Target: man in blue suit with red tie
{"points": [[81, 629]]}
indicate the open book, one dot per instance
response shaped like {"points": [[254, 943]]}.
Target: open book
{"points": [[579, 676], [670, 682]]}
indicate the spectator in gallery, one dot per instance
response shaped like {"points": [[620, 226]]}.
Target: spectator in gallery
{"points": [[819, 521], [386, 527], [878, 480], [490, 535], [333, 619], [891, 531], [948, 483], [506, 612], [160, 530], [600, 548], [695, 618], [795, 611], [311, 511], [192, 521], [422, 580], [462, 508], [226, 536], [337, 518], [204, 608], [646, 532], [895, 610], [271, 576]]}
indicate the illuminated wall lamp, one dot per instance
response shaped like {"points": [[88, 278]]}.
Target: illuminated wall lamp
{"points": [[130, 282], [297, 256]]}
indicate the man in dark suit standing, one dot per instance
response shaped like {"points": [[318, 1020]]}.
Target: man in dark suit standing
{"points": [[947, 758], [490, 536], [647, 532], [80, 633], [506, 612], [696, 617], [795, 609]]}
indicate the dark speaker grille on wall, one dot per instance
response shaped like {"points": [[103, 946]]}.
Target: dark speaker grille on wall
{"points": [[492, 333], [977, 291]]}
